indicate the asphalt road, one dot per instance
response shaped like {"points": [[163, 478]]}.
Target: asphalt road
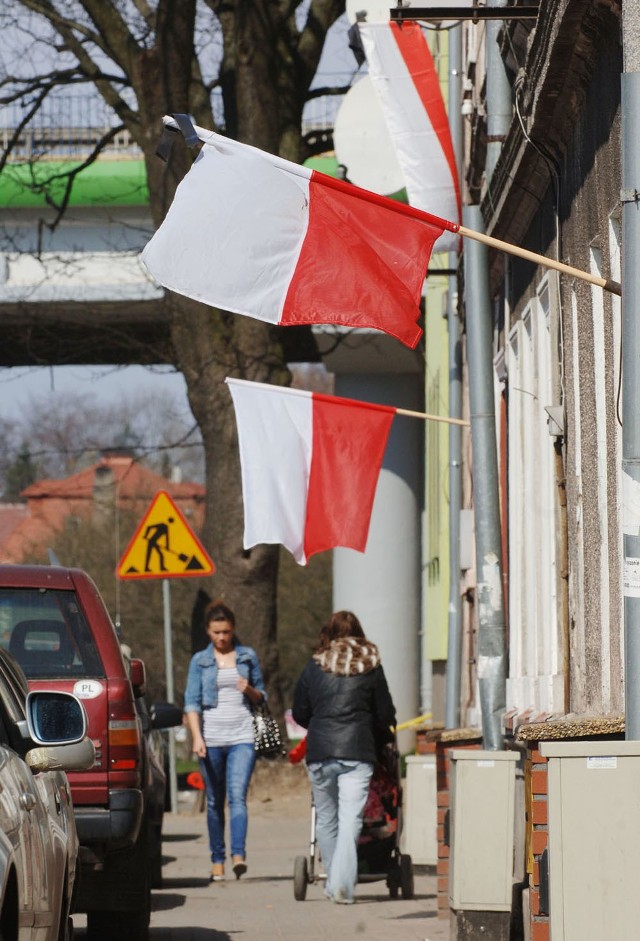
{"points": [[261, 905]]}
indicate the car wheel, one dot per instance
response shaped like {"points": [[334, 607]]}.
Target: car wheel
{"points": [[130, 870], [125, 926], [155, 856]]}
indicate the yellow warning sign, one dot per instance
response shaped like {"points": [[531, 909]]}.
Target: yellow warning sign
{"points": [[163, 545]]}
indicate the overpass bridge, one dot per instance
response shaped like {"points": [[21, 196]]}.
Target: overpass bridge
{"points": [[72, 289]]}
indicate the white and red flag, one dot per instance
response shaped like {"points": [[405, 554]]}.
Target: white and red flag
{"points": [[407, 85], [255, 234], [310, 465]]}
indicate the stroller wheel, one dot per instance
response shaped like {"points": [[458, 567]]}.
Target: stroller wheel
{"points": [[393, 882], [406, 876], [300, 878]]}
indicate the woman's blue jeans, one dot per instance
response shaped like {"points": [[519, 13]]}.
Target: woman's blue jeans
{"points": [[340, 790], [227, 771]]}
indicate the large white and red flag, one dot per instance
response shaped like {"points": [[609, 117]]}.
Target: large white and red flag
{"points": [[407, 85], [258, 235], [310, 465]]}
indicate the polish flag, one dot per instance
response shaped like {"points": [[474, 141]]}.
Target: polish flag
{"points": [[310, 465], [254, 234], [408, 88]]}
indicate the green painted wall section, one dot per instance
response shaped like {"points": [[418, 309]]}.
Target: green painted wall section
{"points": [[104, 183], [436, 517]]}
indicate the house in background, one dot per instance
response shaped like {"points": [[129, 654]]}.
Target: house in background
{"points": [[29, 529]]}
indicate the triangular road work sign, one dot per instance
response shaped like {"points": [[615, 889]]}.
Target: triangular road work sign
{"points": [[163, 546]]}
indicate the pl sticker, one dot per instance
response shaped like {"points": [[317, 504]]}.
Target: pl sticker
{"points": [[87, 689]]}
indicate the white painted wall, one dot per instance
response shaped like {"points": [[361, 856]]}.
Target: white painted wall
{"points": [[535, 672]]}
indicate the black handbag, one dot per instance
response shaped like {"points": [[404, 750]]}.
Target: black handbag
{"points": [[266, 732]]}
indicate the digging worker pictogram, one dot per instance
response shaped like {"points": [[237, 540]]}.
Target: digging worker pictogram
{"points": [[154, 534]]}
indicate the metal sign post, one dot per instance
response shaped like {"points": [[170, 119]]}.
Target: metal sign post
{"points": [[168, 662], [163, 546]]}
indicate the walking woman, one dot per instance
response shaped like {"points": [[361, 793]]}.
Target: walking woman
{"points": [[343, 701], [224, 681]]}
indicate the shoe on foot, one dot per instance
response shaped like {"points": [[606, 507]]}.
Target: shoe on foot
{"points": [[217, 872], [239, 866], [340, 897]]}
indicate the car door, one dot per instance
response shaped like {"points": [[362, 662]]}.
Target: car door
{"points": [[54, 806], [29, 829], [15, 821]]}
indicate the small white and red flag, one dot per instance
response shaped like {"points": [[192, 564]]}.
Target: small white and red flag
{"points": [[255, 234], [407, 85], [310, 465]]}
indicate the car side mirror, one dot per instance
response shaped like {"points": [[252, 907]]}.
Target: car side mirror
{"points": [[164, 715], [138, 676], [55, 718]]}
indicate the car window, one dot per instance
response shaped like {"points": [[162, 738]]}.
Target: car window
{"points": [[47, 633], [5, 739], [12, 709]]}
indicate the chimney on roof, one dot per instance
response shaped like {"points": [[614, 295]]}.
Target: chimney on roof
{"points": [[104, 489]]}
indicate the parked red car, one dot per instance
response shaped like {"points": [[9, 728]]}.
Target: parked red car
{"points": [[54, 622]]}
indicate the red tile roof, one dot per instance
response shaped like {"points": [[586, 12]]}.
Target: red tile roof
{"points": [[12, 515], [32, 527], [132, 480]]}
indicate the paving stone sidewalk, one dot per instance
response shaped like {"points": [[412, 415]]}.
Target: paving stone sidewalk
{"points": [[261, 905]]}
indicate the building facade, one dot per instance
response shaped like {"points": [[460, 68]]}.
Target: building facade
{"points": [[554, 189]]}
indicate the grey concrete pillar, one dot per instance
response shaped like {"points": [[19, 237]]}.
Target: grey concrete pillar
{"points": [[383, 585]]}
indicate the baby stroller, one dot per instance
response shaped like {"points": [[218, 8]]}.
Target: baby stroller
{"points": [[379, 855]]}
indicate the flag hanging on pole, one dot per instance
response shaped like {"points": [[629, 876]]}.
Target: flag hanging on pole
{"points": [[310, 465], [254, 234], [407, 85]]}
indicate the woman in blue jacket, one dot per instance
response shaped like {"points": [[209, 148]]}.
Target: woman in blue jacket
{"points": [[343, 701], [224, 682]]}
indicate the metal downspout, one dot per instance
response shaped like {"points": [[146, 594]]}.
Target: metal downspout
{"points": [[454, 637], [491, 662], [631, 361]]}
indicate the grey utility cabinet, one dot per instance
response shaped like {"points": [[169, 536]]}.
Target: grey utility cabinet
{"points": [[594, 840], [420, 817], [481, 829]]}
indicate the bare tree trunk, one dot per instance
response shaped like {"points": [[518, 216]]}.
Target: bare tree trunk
{"points": [[211, 345]]}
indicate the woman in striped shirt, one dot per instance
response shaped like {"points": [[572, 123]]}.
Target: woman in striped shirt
{"points": [[224, 682]]}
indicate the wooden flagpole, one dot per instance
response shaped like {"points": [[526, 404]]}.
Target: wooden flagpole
{"points": [[613, 286], [449, 421], [267, 387]]}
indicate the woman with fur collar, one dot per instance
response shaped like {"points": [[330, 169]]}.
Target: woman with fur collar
{"points": [[343, 701]]}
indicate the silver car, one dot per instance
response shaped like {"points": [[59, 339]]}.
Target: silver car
{"points": [[42, 735]]}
